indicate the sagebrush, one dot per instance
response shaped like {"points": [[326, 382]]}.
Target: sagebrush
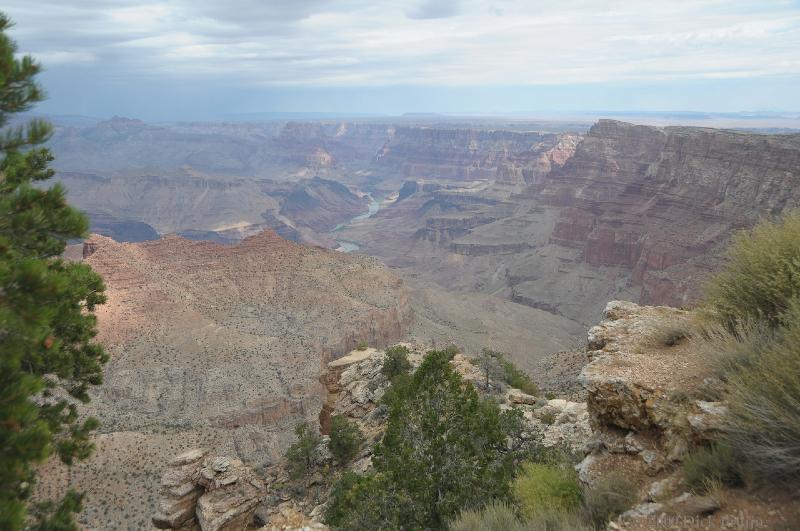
{"points": [[541, 488], [716, 464], [762, 275], [763, 398]]}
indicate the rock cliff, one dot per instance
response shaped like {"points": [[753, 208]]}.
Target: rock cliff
{"points": [[658, 201], [220, 347], [651, 402], [472, 154], [628, 211]]}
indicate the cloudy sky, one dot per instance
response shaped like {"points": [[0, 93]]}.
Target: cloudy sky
{"points": [[170, 59]]}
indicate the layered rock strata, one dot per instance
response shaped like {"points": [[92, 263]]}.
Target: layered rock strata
{"points": [[628, 211], [202, 493], [220, 347]]}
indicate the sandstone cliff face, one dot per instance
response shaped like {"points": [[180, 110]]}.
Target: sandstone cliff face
{"points": [[469, 154], [221, 346], [652, 199], [635, 212]]}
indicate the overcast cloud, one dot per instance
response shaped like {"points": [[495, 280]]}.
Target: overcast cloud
{"points": [[280, 48]]}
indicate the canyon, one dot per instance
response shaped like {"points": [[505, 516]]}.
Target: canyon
{"points": [[217, 346], [231, 302], [626, 211], [556, 220]]}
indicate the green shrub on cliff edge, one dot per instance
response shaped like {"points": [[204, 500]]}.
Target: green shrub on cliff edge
{"points": [[445, 449], [345, 439], [544, 487], [757, 299], [496, 516], [763, 398], [48, 360], [715, 464], [607, 498], [395, 362], [762, 275], [496, 367]]}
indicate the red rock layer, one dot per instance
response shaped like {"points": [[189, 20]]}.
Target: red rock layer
{"points": [[650, 199]]}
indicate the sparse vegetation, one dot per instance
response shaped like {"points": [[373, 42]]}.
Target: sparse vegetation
{"points": [[606, 499], [717, 463], [496, 367], [542, 488], [763, 398], [548, 417], [301, 455], [395, 361], [557, 521], [496, 516], [671, 332], [450, 351], [345, 439], [518, 379], [362, 345], [757, 354], [762, 276], [500, 516]]}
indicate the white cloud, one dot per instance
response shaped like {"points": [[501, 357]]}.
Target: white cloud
{"points": [[430, 42]]}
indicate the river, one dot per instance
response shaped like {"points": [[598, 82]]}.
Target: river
{"points": [[347, 246]]}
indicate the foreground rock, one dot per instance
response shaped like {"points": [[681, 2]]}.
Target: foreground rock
{"points": [[642, 394], [355, 385], [214, 493], [637, 383], [651, 400]]}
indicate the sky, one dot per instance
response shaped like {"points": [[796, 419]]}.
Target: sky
{"points": [[205, 59]]}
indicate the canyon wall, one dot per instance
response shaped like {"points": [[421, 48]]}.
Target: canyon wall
{"points": [[221, 347], [659, 201], [628, 211], [471, 154]]}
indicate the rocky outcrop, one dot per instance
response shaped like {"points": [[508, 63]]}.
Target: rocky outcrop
{"points": [[208, 493], [647, 401], [355, 386], [634, 382], [220, 347]]}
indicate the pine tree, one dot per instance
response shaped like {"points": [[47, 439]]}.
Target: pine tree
{"points": [[48, 360], [444, 450]]}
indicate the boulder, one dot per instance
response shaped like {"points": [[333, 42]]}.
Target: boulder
{"points": [[214, 493], [515, 396], [179, 492]]}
